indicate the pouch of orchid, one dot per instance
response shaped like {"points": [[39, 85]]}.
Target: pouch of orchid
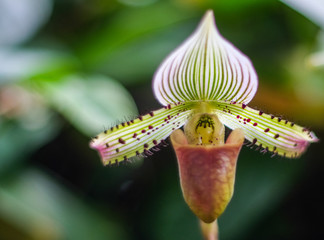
{"points": [[204, 84]]}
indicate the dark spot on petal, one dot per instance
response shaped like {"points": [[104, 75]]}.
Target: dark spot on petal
{"points": [[260, 113], [276, 136], [266, 130], [146, 145], [150, 127], [140, 118], [105, 132], [120, 140], [117, 150], [154, 142], [255, 124], [151, 114], [135, 135], [143, 131], [243, 106], [248, 120]]}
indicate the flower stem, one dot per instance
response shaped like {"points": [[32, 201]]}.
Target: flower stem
{"points": [[209, 230]]}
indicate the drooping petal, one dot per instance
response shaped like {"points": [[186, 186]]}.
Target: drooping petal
{"points": [[142, 135], [266, 131], [205, 67], [207, 173]]}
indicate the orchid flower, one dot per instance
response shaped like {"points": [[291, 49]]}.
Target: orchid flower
{"points": [[204, 84], [205, 75]]}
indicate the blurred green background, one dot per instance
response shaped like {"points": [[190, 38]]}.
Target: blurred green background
{"points": [[71, 68]]}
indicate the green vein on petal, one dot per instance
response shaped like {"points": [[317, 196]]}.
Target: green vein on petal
{"points": [[141, 136], [205, 67], [270, 133]]}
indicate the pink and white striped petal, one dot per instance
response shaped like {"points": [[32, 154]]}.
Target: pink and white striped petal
{"points": [[268, 132], [141, 136], [205, 67]]}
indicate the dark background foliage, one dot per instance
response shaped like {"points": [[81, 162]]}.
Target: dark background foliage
{"points": [[71, 68]]}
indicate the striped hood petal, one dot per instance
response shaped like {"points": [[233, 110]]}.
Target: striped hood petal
{"points": [[205, 67]]}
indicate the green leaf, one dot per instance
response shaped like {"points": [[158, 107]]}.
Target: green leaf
{"points": [[33, 203], [128, 25], [90, 103], [137, 60], [261, 184], [22, 64], [25, 125]]}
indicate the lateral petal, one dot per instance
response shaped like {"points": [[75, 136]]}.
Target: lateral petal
{"points": [[141, 136], [268, 132], [205, 67]]}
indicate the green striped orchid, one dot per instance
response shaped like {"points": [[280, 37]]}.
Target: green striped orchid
{"points": [[206, 74]]}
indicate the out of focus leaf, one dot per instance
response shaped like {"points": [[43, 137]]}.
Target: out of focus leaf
{"points": [[137, 3], [20, 64], [17, 142], [261, 183], [143, 56], [312, 9], [19, 21], [25, 125], [35, 204], [91, 103], [128, 25], [236, 5], [173, 219]]}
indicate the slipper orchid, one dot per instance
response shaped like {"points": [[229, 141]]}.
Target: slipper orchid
{"points": [[204, 84]]}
